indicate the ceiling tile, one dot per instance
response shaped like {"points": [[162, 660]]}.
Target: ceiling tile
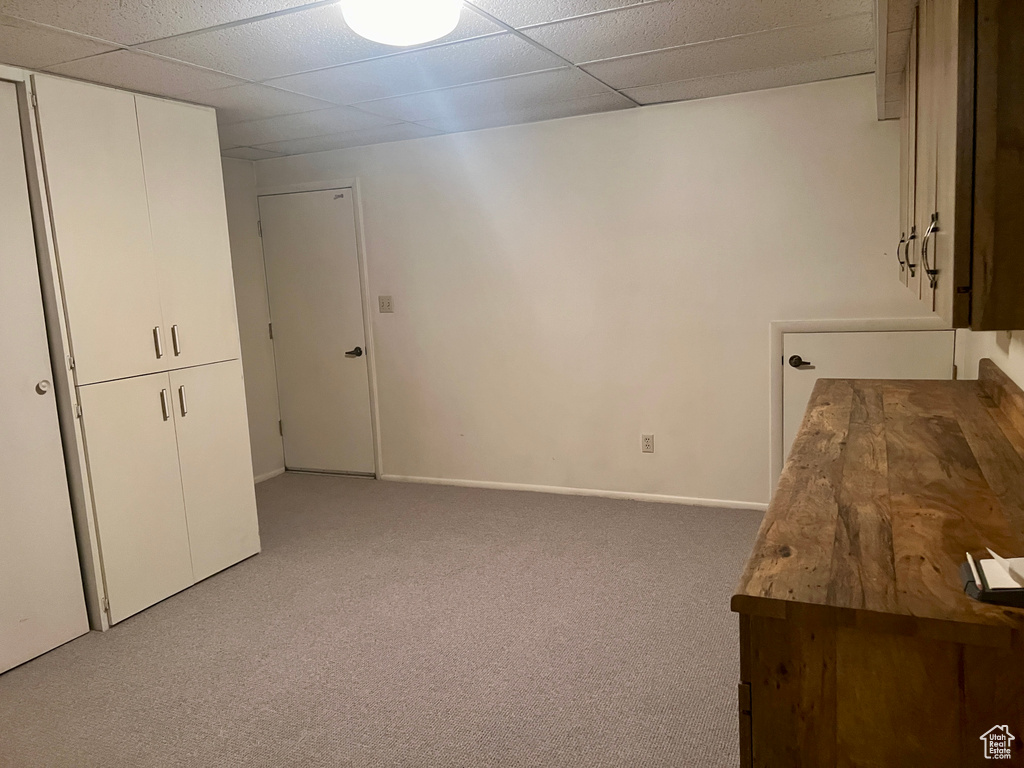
{"points": [[518, 13], [241, 103], [386, 134], [141, 72], [605, 102], [291, 43], [485, 58], [740, 82], [135, 21], [493, 95], [300, 126], [23, 44], [763, 50], [249, 153], [662, 25]]}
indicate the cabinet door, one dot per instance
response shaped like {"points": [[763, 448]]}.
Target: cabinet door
{"points": [[97, 195], [909, 197], [216, 468], [924, 196], [136, 489], [952, 57], [181, 155]]}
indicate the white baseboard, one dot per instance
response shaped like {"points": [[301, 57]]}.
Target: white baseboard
{"points": [[268, 475], [656, 497]]}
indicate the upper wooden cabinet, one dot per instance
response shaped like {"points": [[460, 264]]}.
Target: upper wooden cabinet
{"points": [[137, 204], [963, 125]]}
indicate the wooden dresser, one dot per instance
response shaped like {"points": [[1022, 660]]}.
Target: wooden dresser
{"points": [[858, 646]]}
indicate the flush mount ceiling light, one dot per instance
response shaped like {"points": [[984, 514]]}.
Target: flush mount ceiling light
{"points": [[401, 22]]}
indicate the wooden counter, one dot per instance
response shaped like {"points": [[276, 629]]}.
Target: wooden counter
{"points": [[858, 644]]}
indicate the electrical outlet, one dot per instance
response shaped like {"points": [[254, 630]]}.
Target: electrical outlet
{"points": [[386, 304], [647, 443]]}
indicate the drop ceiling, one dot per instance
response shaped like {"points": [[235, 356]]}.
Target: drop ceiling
{"points": [[288, 77]]}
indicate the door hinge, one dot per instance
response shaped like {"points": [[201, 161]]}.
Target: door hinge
{"points": [[106, 604], [280, 428], [78, 410], [270, 327], [35, 100], [71, 362], [259, 227]]}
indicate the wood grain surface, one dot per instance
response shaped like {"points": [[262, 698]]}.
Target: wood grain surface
{"points": [[888, 484]]}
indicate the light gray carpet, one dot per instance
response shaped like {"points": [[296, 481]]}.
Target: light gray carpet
{"points": [[387, 624]]}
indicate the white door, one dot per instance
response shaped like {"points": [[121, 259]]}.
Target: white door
{"points": [[309, 245], [97, 193], [181, 157], [861, 355], [41, 599], [136, 489], [216, 470]]}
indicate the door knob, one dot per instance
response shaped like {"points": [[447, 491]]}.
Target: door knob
{"points": [[43, 387], [357, 352], [798, 362]]}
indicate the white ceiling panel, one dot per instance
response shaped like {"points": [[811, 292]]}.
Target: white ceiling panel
{"points": [[135, 21], [662, 25], [485, 58], [249, 153], [388, 133], [33, 46], [291, 43], [301, 126], [142, 72], [605, 102], [764, 50], [739, 82], [522, 13], [509, 93], [241, 103]]}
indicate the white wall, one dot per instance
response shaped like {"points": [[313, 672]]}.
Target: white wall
{"points": [[1006, 348], [253, 317], [562, 287]]}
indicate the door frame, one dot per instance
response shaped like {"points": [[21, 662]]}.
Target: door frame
{"points": [[60, 352], [777, 329], [364, 293]]}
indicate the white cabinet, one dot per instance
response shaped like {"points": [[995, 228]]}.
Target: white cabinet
{"points": [[136, 487], [181, 157], [97, 195], [138, 213], [216, 472], [171, 478], [137, 197]]}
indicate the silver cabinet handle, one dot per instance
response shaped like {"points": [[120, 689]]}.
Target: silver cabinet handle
{"points": [[181, 397], [903, 241], [158, 341], [932, 272], [164, 404], [910, 239], [175, 340]]}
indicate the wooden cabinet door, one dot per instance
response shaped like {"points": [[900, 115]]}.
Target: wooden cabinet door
{"points": [[216, 469], [181, 156], [97, 195], [136, 489]]}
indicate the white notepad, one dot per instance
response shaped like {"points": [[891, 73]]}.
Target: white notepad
{"points": [[999, 571]]}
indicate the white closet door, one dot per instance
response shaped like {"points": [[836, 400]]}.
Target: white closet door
{"points": [[181, 155], [97, 194], [136, 487], [216, 470], [41, 599]]}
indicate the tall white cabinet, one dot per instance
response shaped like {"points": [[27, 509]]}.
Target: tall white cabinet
{"points": [[139, 225]]}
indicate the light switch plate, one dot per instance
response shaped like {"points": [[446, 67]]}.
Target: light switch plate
{"points": [[386, 304]]}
